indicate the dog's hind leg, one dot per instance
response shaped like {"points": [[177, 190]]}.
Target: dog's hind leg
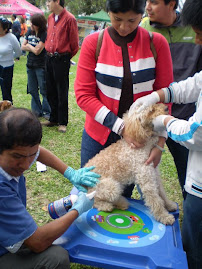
{"points": [[108, 191], [146, 180], [169, 205]]}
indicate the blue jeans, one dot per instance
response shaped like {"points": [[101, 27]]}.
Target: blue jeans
{"points": [[180, 156], [192, 230], [90, 147], [36, 82], [6, 83]]}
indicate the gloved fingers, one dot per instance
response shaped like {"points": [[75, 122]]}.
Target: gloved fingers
{"points": [[91, 175], [88, 183], [80, 188], [141, 108], [88, 168]]}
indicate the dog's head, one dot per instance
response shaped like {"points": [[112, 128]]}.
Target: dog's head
{"points": [[139, 125], [5, 105]]}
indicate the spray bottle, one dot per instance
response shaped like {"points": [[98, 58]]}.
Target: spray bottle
{"points": [[60, 207]]}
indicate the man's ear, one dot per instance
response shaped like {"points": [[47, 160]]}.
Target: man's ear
{"points": [[172, 4]]}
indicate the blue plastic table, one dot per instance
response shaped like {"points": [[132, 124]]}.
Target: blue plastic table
{"points": [[130, 239]]}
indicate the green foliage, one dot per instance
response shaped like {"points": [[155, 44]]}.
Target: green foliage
{"points": [[86, 7], [49, 186]]}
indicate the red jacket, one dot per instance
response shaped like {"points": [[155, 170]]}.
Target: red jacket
{"points": [[98, 86], [62, 35]]}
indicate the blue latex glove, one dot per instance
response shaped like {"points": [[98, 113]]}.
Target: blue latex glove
{"points": [[82, 176], [82, 204]]}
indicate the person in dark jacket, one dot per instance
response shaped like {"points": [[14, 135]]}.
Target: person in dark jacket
{"points": [[187, 60]]}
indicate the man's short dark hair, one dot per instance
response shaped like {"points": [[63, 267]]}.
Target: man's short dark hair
{"points": [[192, 13], [19, 127], [14, 15], [168, 1], [62, 2], [115, 6]]}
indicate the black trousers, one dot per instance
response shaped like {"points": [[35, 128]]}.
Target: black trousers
{"points": [[180, 156], [6, 83], [57, 81]]}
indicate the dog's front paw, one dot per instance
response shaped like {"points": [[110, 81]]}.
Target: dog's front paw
{"points": [[104, 206], [167, 220]]}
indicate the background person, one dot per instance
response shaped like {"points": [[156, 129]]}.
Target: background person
{"points": [[23, 31], [34, 43], [188, 134], [187, 60], [95, 29], [125, 68], [62, 44], [9, 49], [23, 244], [16, 28]]}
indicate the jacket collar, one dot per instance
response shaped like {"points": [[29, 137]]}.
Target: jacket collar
{"points": [[176, 23]]}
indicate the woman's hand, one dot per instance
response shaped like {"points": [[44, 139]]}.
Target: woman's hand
{"points": [[155, 157]]}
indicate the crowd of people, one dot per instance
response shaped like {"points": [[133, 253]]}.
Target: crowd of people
{"points": [[127, 74]]}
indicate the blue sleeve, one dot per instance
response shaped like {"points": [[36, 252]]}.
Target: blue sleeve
{"points": [[16, 223]]}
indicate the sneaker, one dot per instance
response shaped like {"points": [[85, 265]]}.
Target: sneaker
{"points": [[62, 129], [49, 123]]}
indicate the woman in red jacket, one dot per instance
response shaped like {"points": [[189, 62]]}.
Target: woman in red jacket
{"points": [[125, 70]]}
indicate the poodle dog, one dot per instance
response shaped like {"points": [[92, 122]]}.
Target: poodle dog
{"points": [[120, 165], [5, 105]]}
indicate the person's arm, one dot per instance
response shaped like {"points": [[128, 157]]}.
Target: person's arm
{"points": [[74, 36], [48, 158], [24, 43], [183, 92], [79, 178], [36, 50], [86, 87], [44, 236], [16, 46]]}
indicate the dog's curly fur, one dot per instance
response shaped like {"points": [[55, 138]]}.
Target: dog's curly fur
{"points": [[5, 105], [120, 165]]}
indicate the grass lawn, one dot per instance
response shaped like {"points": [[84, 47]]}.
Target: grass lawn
{"points": [[50, 185]]}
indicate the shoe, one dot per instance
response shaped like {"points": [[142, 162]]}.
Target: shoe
{"points": [[49, 123], [46, 116], [62, 129]]}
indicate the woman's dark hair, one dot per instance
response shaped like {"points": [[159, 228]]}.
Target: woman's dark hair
{"points": [[22, 20], [19, 127], [192, 13], [40, 21], [5, 24], [115, 6]]}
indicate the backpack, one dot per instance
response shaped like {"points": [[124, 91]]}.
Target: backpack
{"points": [[100, 38]]}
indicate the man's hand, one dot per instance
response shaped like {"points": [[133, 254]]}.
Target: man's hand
{"points": [[143, 102], [82, 204], [82, 176]]}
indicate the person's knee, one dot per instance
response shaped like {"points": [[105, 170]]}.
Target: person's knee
{"points": [[58, 257]]}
